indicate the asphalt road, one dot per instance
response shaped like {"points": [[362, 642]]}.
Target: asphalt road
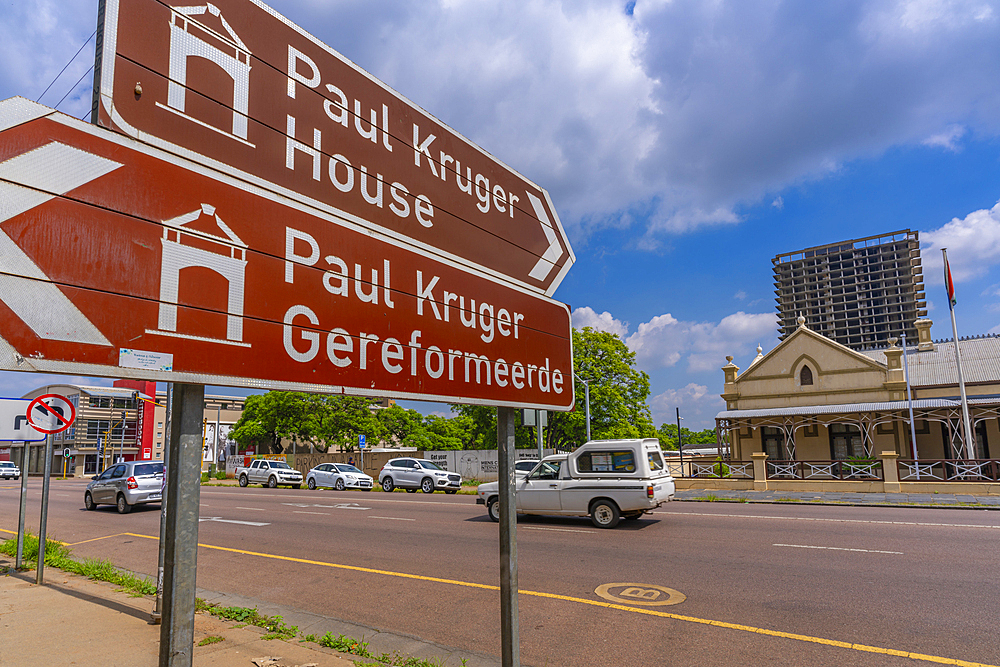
{"points": [[747, 584]]}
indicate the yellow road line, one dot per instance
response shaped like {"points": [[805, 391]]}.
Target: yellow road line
{"points": [[73, 544], [610, 605]]}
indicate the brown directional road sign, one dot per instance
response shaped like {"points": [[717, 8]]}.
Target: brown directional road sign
{"points": [[124, 260], [233, 83]]}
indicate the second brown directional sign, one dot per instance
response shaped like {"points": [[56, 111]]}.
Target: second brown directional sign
{"points": [[236, 83]]}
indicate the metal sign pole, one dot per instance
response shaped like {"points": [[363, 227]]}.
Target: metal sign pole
{"points": [[538, 433], [510, 644], [43, 518], [158, 605], [180, 558], [24, 505]]}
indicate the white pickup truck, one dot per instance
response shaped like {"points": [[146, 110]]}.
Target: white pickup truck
{"points": [[269, 473], [607, 480]]}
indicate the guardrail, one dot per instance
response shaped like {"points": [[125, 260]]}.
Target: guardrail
{"points": [[948, 470]]}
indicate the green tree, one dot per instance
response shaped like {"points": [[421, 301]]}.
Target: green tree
{"points": [[618, 393], [271, 417], [339, 420], [482, 427], [667, 433]]}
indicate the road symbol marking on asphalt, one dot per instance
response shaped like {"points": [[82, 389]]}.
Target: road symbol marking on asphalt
{"points": [[338, 506], [219, 519], [866, 551], [646, 595]]}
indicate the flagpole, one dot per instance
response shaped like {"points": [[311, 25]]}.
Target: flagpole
{"points": [[966, 428], [909, 399]]}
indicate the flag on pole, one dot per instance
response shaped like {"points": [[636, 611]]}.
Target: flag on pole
{"points": [[949, 283]]}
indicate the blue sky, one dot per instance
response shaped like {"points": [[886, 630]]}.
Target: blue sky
{"points": [[683, 143]]}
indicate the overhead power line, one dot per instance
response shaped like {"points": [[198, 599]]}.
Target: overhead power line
{"points": [[39, 98]]}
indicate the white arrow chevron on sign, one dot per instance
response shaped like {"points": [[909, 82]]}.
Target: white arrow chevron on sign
{"points": [[27, 181], [545, 263]]}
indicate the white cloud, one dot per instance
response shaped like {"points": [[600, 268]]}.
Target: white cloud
{"points": [[778, 203], [947, 139], [674, 117], [741, 295], [665, 340], [697, 404], [587, 317], [973, 245]]}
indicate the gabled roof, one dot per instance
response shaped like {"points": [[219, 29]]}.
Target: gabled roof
{"points": [[761, 362]]}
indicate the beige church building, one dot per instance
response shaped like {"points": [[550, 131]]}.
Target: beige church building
{"points": [[813, 399]]}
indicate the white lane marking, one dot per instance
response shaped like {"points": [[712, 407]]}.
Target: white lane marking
{"points": [[320, 513], [62, 495], [807, 518], [558, 530], [255, 509], [391, 518], [219, 519], [865, 551]]}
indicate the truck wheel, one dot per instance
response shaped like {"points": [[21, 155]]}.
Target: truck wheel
{"points": [[493, 509], [427, 485], [243, 481], [604, 514], [272, 482], [387, 484]]}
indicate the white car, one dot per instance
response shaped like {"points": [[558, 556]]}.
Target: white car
{"points": [[338, 476], [412, 474], [9, 471]]}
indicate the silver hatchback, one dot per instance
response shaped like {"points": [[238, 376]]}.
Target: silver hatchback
{"points": [[126, 484]]}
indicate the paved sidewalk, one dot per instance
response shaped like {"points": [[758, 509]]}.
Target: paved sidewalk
{"points": [[936, 500], [72, 620]]}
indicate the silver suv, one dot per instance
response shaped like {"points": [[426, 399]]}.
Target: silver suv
{"points": [[126, 484], [413, 474]]}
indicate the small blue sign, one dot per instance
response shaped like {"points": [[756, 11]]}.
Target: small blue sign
{"points": [[361, 442]]}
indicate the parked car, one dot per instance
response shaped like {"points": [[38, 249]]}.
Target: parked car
{"points": [[125, 485], [607, 480], [412, 474], [338, 476], [9, 471], [269, 473]]}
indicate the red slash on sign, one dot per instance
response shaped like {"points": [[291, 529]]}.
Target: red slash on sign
{"points": [[48, 413]]}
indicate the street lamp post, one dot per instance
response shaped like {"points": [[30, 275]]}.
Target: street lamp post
{"points": [[586, 393], [680, 441]]}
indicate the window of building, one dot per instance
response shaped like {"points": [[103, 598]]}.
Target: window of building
{"points": [[774, 443], [805, 376], [846, 442]]}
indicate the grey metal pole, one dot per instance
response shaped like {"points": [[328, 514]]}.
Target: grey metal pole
{"points": [[43, 517], [180, 558], [22, 511], [510, 643], [909, 398], [966, 427], [158, 605], [538, 433], [680, 445]]}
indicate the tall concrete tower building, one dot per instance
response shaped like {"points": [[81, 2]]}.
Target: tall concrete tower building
{"points": [[858, 293]]}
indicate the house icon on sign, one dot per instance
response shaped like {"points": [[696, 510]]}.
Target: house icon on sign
{"points": [[194, 43], [185, 247]]}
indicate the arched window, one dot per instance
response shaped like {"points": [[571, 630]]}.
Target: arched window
{"points": [[806, 376]]}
